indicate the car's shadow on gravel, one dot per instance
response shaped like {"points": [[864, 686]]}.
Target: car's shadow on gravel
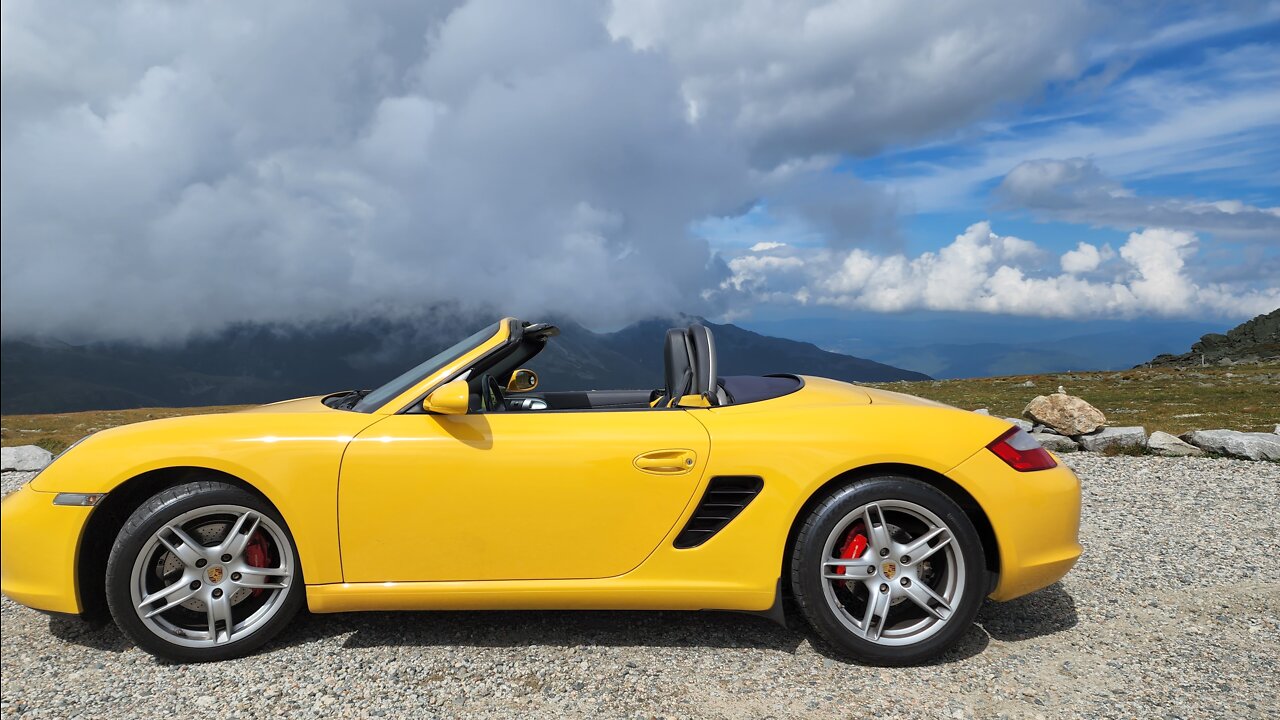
{"points": [[1051, 610], [1046, 612], [103, 636], [554, 628]]}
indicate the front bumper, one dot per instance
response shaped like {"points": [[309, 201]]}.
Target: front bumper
{"points": [[1035, 517], [38, 545]]}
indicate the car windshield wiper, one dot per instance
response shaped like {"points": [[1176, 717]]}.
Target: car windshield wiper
{"points": [[349, 400]]}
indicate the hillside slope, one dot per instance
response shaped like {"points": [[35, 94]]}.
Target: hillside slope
{"points": [[256, 363], [1256, 340]]}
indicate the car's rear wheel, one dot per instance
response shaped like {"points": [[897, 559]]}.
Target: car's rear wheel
{"points": [[203, 571], [889, 570]]}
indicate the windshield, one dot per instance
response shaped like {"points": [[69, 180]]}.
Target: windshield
{"points": [[391, 390]]}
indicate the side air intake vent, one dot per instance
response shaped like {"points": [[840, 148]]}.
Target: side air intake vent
{"points": [[725, 497]]}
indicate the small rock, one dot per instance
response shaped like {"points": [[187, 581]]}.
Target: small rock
{"points": [[1162, 443], [1114, 437], [1065, 414], [1026, 384], [1251, 446], [24, 458], [1055, 442], [1024, 424], [983, 411]]}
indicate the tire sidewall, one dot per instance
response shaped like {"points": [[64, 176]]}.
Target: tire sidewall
{"points": [[149, 518], [807, 581]]}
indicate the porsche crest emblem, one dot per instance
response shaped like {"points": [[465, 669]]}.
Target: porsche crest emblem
{"points": [[889, 569], [215, 574]]}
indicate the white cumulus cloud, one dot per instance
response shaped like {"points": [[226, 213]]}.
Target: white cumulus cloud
{"points": [[986, 272]]}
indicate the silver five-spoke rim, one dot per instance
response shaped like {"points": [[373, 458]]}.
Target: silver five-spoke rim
{"points": [[212, 576], [904, 586]]}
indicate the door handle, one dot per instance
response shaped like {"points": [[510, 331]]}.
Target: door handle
{"points": [[667, 462]]}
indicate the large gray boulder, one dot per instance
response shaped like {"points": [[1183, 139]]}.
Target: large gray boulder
{"points": [[1162, 443], [1064, 414], [24, 458], [1117, 437], [1248, 445], [1056, 443]]}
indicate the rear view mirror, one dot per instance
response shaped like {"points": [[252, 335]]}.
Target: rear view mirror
{"points": [[522, 380], [452, 398]]}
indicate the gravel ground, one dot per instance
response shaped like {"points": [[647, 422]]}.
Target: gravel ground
{"points": [[1174, 611]]}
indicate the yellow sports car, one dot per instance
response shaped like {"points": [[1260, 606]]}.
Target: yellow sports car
{"points": [[881, 518]]}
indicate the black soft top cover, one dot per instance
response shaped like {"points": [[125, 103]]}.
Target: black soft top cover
{"points": [[754, 388]]}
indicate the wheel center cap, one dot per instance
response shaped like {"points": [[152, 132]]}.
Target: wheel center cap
{"points": [[889, 569], [214, 574]]}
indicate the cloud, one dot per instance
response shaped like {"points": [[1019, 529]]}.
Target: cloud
{"points": [[1085, 258], [1208, 119], [808, 78], [1077, 191], [986, 272], [169, 170]]}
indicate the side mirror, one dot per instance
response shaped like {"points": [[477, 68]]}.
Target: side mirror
{"points": [[522, 380], [452, 398]]}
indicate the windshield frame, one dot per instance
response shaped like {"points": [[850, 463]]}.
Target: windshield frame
{"points": [[406, 388]]}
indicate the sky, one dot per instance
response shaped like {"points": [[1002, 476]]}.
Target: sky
{"points": [[169, 168]]}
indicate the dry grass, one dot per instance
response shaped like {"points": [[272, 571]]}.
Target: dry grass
{"points": [[1245, 397], [54, 432]]}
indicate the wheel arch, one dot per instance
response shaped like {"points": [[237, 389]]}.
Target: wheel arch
{"points": [[109, 516], [972, 509]]}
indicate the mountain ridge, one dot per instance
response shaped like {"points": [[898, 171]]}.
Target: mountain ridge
{"points": [[249, 363], [1254, 340]]}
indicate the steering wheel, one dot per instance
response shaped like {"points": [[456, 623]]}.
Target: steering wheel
{"points": [[492, 399]]}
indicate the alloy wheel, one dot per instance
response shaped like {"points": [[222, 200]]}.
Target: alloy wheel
{"points": [[891, 572], [212, 576]]}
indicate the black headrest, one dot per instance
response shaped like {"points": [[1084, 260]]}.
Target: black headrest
{"points": [[679, 364], [704, 360]]}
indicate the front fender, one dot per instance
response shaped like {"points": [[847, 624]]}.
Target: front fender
{"points": [[293, 460]]}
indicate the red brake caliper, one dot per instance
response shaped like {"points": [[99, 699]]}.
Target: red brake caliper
{"points": [[854, 545], [256, 555]]}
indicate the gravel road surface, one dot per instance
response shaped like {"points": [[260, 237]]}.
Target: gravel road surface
{"points": [[1174, 611]]}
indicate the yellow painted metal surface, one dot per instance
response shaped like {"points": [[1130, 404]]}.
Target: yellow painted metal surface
{"points": [[38, 542], [289, 451], [545, 509], [514, 495], [1036, 518]]}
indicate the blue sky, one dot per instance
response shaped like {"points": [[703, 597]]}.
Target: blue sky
{"points": [[1189, 114]]}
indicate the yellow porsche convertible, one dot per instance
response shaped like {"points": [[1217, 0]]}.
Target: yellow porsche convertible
{"points": [[883, 519]]}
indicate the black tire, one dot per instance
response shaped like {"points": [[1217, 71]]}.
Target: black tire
{"points": [[155, 513], [807, 561]]}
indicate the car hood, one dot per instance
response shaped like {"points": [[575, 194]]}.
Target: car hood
{"points": [[314, 403]]}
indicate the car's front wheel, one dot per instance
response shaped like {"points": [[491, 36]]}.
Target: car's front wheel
{"points": [[888, 570], [203, 571]]}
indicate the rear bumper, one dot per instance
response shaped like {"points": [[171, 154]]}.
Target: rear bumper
{"points": [[38, 544], [1035, 517]]}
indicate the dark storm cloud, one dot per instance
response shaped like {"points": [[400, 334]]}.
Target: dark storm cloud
{"points": [[172, 167]]}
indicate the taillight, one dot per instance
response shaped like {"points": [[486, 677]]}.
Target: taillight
{"points": [[1021, 451]]}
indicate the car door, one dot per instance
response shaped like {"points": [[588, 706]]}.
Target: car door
{"points": [[515, 495]]}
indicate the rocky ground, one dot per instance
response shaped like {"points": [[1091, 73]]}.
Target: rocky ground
{"points": [[1174, 611]]}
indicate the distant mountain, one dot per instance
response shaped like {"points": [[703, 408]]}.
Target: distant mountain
{"points": [[260, 363], [1251, 341], [959, 345]]}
